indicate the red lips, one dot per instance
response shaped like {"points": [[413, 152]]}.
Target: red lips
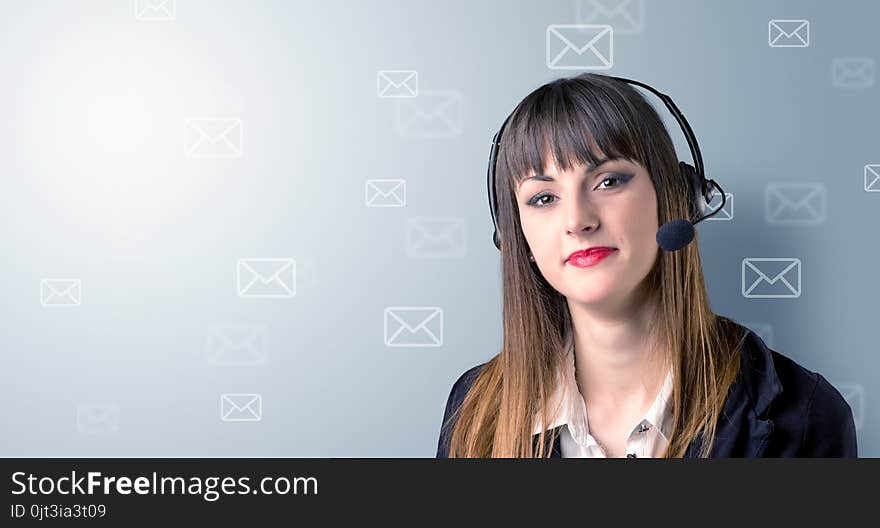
{"points": [[589, 257], [581, 253]]}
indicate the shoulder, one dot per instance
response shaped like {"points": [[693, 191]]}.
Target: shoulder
{"points": [[798, 382], [830, 427], [825, 419], [457, 393], [460, 389], [463, 384], [810, 417]]}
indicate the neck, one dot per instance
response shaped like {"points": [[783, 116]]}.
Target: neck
{"points": [[617, 363]]}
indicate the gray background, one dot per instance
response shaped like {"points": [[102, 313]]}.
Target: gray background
{"points": [[96, 185]]}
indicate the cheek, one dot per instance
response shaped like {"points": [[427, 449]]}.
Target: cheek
{"points": [[538, 234], [647, 221], [641, 213]]}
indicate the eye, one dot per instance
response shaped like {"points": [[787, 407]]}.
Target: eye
{"points": [[621, 178], [535, 201]]}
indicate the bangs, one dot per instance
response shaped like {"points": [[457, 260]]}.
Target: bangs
{"points": [[569, 124]]}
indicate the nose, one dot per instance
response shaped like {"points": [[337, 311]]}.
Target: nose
{"points": [[579, 215]]}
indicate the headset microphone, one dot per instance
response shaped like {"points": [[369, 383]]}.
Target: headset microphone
{"points": [[675, 235], [672, 235]]}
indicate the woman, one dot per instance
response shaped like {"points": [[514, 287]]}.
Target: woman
{"points": [[610, 346]]}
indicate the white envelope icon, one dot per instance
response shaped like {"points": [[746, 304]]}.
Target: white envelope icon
{"points": [[872, 178], [434, 114], [100, 418], [763, 330], [241, 407], [626, 16], [211, 137], [726, 213], [854, 394], [266, 278], [795, 203], [436, 237], [580, 47], [397, 83], [60, 292], [789, 33], [853, 72], [413, 326], [386, 193], [154, 9], [771, 278], [237, 344]]}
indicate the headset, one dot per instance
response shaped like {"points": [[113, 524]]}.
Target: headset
{"points": [[672, 235]]}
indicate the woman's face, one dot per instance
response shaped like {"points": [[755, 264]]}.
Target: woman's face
{"points": [[613, 204]]}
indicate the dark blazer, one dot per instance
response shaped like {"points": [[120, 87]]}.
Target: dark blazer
{"points": [[776, 408]]}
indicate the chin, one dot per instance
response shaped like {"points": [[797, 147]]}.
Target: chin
{"points": [[590, 294]]}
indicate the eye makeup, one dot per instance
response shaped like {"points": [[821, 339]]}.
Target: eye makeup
{"points": [[621, 179]]}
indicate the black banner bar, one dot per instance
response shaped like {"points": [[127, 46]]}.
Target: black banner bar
{"points": [[232, 491]]}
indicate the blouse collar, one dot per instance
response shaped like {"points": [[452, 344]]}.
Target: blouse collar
{"points": [[567, 406]]}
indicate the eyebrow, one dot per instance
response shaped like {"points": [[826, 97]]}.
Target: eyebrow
{"points": [[545, 178]]}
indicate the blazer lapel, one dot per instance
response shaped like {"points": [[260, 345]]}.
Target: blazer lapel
{"points": [[743, 428], [555, 449]]}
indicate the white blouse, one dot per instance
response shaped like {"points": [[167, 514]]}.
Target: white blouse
{"points": [[648, 439]]}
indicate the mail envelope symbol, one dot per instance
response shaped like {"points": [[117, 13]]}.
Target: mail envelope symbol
{"points": [[397, 83], [241, 407], [413, 326], [60, 292], [436, 237], [214, 138], [789, 33], [434, 114], [266, 278], [872, 178], [726, 212], [762, 330], [97, 418], [625, 16], [771, 278], [154, 9], [853, 72], [236, 344], [854, 394], [386, 193], [795, 203], [580, 47]]}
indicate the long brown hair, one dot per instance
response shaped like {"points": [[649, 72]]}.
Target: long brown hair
{"points": [[562, 119]]}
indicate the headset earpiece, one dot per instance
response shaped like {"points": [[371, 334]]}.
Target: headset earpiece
{"points": [[702, 190]]}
